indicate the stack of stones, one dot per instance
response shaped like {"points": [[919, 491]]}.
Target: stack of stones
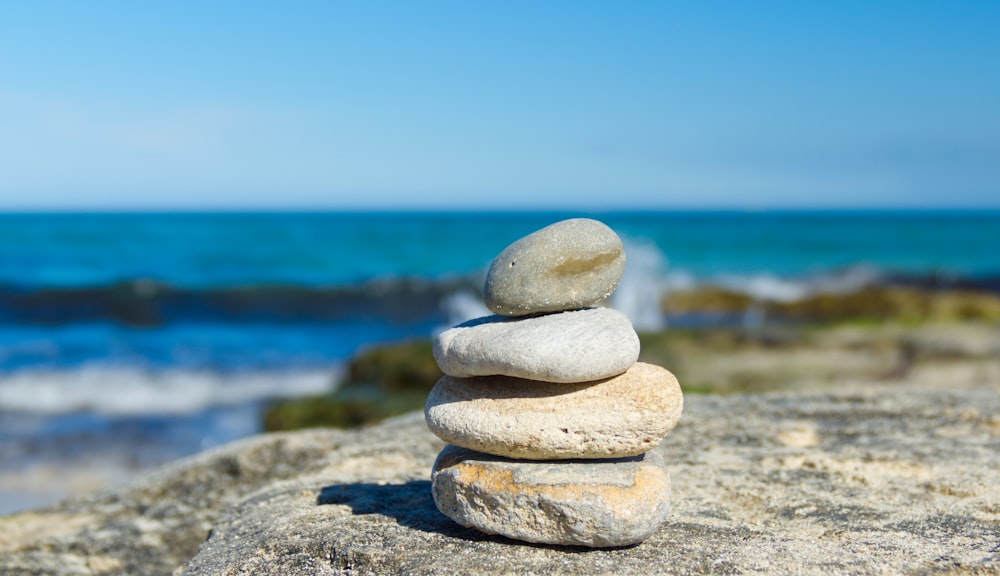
{"points": [[549, 417]]}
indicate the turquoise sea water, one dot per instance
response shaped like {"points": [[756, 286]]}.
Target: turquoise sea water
{"points": [[160, 334], [201, 250], [287, 292]]}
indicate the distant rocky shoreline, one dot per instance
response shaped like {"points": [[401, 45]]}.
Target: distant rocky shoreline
{"points": [[149, 303]]}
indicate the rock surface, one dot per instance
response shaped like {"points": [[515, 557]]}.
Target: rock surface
{"points": [[575, 346], [621, 416], [861, 480], [567, 265], [596, 503]]}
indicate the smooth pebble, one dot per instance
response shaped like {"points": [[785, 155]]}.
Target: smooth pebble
{"points": [[568, 265], [594, 503], [576, 346], [621, 416]]}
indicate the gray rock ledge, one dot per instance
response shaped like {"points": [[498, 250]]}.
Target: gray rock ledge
{"points": [[892, 479]]}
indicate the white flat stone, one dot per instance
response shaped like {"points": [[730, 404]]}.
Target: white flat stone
{"points": [[576, 346], [599, 503], [621, 416], [568, 265]]}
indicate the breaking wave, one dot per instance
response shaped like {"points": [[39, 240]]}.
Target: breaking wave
{"points": [[122, 391], [643, 285]]}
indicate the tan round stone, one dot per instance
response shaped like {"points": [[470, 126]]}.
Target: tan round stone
{"points": [[596, 503], [621, 416], [574, 346], [568, 265]]}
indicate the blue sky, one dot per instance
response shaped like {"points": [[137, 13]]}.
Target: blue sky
{"points": [[398, 105]]}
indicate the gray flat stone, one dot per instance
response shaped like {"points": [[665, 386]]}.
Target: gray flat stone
{"points": [[570, 264], [621, 416], [596, 503], [575, 346]]}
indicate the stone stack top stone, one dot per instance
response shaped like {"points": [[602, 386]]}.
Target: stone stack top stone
{"points": [[569, 265]]}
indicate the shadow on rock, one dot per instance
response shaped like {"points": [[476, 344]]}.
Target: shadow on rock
{"points": [[410, 504]]}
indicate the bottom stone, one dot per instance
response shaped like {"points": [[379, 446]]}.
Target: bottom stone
{"points": [[596, 503]]}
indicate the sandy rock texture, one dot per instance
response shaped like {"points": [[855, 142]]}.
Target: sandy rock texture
{"points": [[883, 479]]}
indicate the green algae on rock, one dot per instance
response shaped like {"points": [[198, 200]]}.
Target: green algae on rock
{"points": [[380, 382], [872, 303]]}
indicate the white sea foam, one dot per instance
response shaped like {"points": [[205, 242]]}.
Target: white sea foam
{"points": [[463, 306], [764, 287], [642, 287], [130, 391], [770, 287], [845, 280], [676, 280]]}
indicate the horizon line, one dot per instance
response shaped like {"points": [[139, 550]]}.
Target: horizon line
{"points": [[124, 210]]}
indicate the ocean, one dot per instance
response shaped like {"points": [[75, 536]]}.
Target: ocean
{"points": [[129, 339]]}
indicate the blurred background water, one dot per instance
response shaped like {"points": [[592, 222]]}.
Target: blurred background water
{"points": [[137, 338]]}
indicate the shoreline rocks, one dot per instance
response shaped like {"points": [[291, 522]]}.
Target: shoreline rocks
{"points": [[531, 401]]}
